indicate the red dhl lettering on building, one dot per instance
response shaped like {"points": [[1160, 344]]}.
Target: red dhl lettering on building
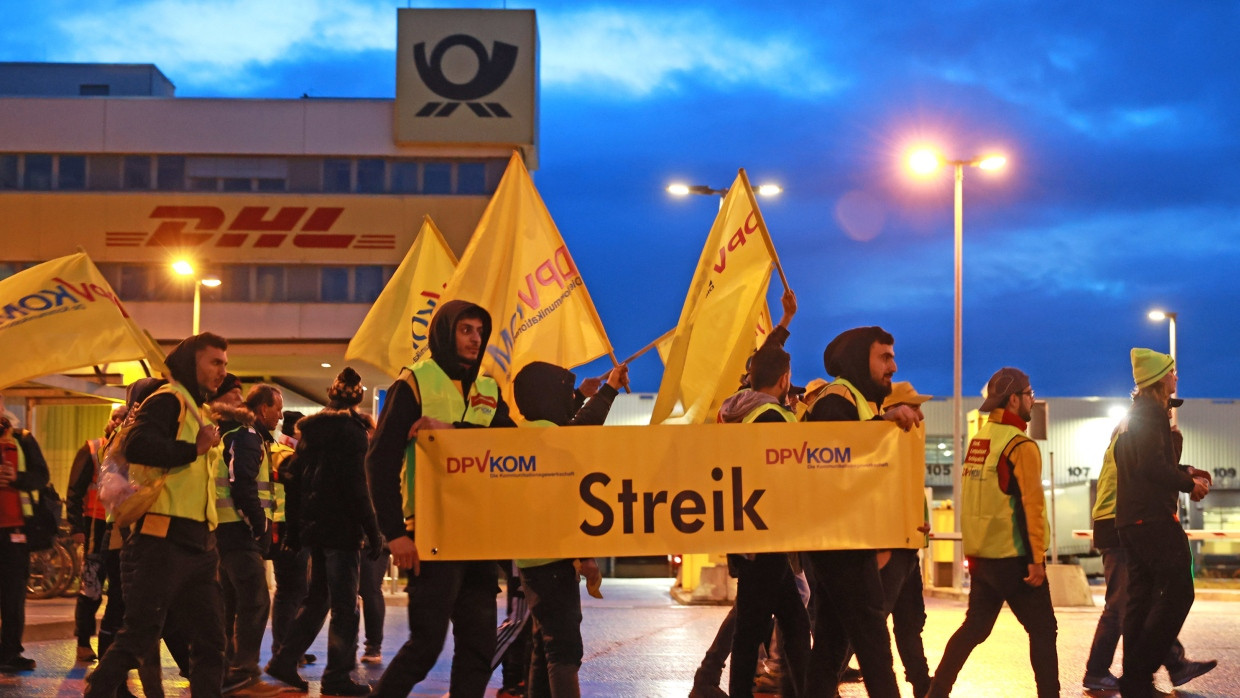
{"points": [[252, 226]]}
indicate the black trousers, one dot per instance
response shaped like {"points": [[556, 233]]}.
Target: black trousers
{"points": [[333, 587], [14, 569], [848, 609], [292, 572], [765, 587], [995, 581], [555, 602], [1111, 622], [1160, 594], [247, 603], [462, 593], [167, 583]]}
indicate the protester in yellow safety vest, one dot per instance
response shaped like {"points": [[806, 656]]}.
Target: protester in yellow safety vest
{"points": [[1004, 531], [1098, 676], [243, 504], [88, 526], [290, 563], [329, 512], [544, 394], [765, 585], [849, 591], [1149, 482], [171, 560], [22, 471], [444, 391]]}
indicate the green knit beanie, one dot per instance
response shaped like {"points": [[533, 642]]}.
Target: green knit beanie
{"points": [[1149, 366]]}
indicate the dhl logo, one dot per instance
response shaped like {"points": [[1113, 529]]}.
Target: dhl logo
{"points": [[253, 226]]}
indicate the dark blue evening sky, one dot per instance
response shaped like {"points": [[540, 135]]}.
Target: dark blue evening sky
{"points": [[1121, 122]]}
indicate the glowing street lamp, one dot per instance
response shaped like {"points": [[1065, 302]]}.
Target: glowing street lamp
{"points": [[184, 268], [926, 161], [680, 189], [1158, 316]]}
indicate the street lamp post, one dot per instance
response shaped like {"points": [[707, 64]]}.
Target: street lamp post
{"points": [[925, 161], [184, 268], [678, 189], [1170, 317]]}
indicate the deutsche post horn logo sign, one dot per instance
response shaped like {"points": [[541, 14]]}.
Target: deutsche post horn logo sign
{"points": [[492, 71]]}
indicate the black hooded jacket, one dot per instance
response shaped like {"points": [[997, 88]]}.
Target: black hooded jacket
{"points": [[545, 391], [401, 409], [153, 438], [327, 499], [848, 357]]}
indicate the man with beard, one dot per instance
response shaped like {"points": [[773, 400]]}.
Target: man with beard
{"points": [[848, 603], [442, 392], [170, 563], [1160, 563], [1004, 531], [765, 584]]}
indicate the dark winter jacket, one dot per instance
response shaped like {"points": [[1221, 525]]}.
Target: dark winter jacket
{"points": [[243, 452], [545, 391], [327, 498], [1148, 479]]}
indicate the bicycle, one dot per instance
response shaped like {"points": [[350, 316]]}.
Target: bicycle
{"points": [[55, 571]]}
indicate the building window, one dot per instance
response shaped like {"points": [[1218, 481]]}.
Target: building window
{"points": [[269, 284], [204, 184], [404, 177], [367, 283], [336, 175], [471, 178], [235, 283], [135, 282], [170, 173], [437, 178], [236, 184], [71, 172], [8, 172], [38, 175], [304, 174], [335, 284], [104, 172], [94, 90], [370, 176], [266, 184], [137, 172]]}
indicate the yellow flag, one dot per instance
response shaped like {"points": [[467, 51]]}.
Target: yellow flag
{"points": [[62, 315], [518, 268], [726, 297], [396, 328]]}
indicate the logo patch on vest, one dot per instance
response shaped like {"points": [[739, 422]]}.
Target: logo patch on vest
{"points": [[979, 450], [484, 400]]}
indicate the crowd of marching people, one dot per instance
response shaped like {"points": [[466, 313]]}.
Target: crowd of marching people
{"points": [[225, 480]]}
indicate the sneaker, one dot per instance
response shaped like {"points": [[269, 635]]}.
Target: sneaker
{"points": [[86, 654], [372, 657], [766, 683], [290, 677], [345, 688], [510, 692], [705, 690], [17, 663], [1189, 670], [307, 659], [1100, 682]]}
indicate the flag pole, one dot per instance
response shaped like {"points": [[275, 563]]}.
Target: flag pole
{"points": [[651, 345], [766, 232]]}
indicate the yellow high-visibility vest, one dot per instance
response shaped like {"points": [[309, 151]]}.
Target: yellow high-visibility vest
{"points": [[189, 490], [226, 511], [988, 516]]}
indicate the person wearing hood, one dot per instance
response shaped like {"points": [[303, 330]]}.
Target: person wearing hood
{"points": [[1004, 530], [545, 396], [243, 501], [1160, 562], [444, 391], [171, 560], [849, 591], [765, 585], [330, 512]]}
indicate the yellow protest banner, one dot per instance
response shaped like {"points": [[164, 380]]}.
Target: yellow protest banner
{"points": [[62, 315], [649, 490], [518, 268], [727, 295], [396, 327]]}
